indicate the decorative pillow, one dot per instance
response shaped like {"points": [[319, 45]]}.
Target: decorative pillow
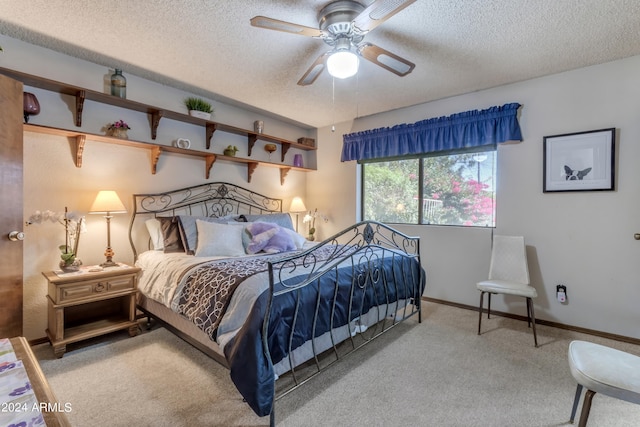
{"points": [[189, 232], [298, 239], [155, 233], [265, 240], [260, 241], [215, 239], [171, 234], [282, 219]]}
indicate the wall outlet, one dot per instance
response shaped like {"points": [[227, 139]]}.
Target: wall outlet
{"points": [[561, 293]]}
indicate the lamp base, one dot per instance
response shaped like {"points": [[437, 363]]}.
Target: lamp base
{"points": [[109, 263]]}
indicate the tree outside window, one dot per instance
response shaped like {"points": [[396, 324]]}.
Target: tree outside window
{"points": [[457, 189]]}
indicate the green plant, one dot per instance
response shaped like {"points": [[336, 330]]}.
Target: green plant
{"points": [[198, 104]]}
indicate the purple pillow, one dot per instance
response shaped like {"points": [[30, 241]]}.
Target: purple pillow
{"points": [[269, 238]]}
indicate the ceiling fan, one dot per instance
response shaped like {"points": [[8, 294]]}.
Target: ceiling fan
{"points": [[343, 24]]}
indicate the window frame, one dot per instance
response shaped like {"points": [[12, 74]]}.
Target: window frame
{"points": [[420, 158]]}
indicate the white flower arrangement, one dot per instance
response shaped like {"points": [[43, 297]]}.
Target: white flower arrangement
{"points": [[311, 219], [73, 224]]}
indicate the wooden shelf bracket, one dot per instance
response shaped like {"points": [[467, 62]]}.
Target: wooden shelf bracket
{"points": [[283, 174], [155, 156], [251, 141], [155, 121], [285, 148], [210, 160], [251, 167], [80, 97], [211, 128], [80, 141]]}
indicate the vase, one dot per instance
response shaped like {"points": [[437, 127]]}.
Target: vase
{"points": [[70, 267], [119, 133], [30, 105], [118, 84], [311, 237]]}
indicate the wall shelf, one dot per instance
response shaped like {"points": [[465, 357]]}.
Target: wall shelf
{"points": [[156, 150], [156, 114]]}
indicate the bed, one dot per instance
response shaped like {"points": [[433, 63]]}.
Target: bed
{"points": [[269, 305]]}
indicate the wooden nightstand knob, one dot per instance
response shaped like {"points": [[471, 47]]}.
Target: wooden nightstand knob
{"points": [[100, 287]]}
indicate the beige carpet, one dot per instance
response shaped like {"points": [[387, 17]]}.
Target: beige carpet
{"points": [[437, 373]]}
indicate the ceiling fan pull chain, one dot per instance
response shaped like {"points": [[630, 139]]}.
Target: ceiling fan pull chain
{"points": [[333, 101]]}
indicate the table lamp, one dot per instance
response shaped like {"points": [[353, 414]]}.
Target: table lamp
{"points": [[297, 206], [107, 203]]}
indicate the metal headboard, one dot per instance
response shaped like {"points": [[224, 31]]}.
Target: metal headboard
{"points": [[214, 199]]}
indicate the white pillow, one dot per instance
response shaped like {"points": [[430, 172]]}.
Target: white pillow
{"points": [[219, 239], [155, 232], [298, 239]]}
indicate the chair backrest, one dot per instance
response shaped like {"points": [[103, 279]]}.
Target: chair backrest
{"points": [[509, 259]]}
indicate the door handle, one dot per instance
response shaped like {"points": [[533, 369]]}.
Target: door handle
{"points": [[16, 236], [636, 236]]}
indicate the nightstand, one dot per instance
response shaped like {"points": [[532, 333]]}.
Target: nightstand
{"points": [[87, 304]]}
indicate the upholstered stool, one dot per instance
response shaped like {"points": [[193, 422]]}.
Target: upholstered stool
{"points": [[602, 370]]}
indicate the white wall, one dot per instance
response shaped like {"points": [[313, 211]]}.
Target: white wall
{"points": [[583, 239], [51, 180]]}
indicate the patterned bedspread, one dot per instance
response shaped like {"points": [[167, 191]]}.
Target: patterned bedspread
{"points": [[206, 290]]}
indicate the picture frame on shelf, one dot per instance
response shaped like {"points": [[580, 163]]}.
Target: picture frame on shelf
{"points": [[581, 161]]}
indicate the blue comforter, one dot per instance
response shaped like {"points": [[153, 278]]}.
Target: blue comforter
{"points": [[377, 280]]}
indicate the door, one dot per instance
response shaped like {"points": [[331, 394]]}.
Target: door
{"points": [[10, 207]]}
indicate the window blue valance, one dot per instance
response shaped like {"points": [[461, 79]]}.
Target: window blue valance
{"points": [[462, 130]]}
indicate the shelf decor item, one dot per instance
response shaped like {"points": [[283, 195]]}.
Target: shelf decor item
{"points": [[118, 84], [258, 126], [118, 129], [198, 107], [270, 148], [308, 142], [297, 161], [30, 105], [583, 161], [230, 151], [108, 203]]}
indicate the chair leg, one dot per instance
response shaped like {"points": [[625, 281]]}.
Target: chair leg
{"points": [[576, 400], [480, 311], [528, 315], [586, 407], [533, 320], [489, 306]]}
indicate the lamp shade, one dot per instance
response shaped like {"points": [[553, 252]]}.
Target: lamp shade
{"points": [[297, 205], [107, 202], [343, 64]]}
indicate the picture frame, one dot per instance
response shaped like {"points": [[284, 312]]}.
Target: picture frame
{"points": [[582, 161]]}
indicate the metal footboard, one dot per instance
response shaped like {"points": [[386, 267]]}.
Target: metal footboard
{"points": [[370, 269]]}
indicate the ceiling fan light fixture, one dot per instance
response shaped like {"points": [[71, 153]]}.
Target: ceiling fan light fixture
{"points": [[343, 64]]}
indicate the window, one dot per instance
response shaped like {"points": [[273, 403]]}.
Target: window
{"points": [[451, 189]]}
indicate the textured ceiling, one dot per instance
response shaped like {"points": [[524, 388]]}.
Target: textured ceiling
{"points": [[209, 47]]}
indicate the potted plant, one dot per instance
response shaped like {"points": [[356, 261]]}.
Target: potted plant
{"points": [[198, 107], [230, 151]]}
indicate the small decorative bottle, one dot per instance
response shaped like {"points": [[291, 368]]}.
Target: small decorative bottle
{"points": [[118, 84]]}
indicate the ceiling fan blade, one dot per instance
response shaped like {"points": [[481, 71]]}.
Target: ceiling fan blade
{"points": [[287, 27], [314, 70], [387, 60], [378, 12]]}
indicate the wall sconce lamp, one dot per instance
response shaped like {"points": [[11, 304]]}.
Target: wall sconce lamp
{"points": [[107, 203], [297, 206]]}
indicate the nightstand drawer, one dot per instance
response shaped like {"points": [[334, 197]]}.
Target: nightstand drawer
{"points": [[93, 288]]}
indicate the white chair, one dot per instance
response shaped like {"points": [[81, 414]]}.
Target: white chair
{"points": [[602, 370], [509, 275]]}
